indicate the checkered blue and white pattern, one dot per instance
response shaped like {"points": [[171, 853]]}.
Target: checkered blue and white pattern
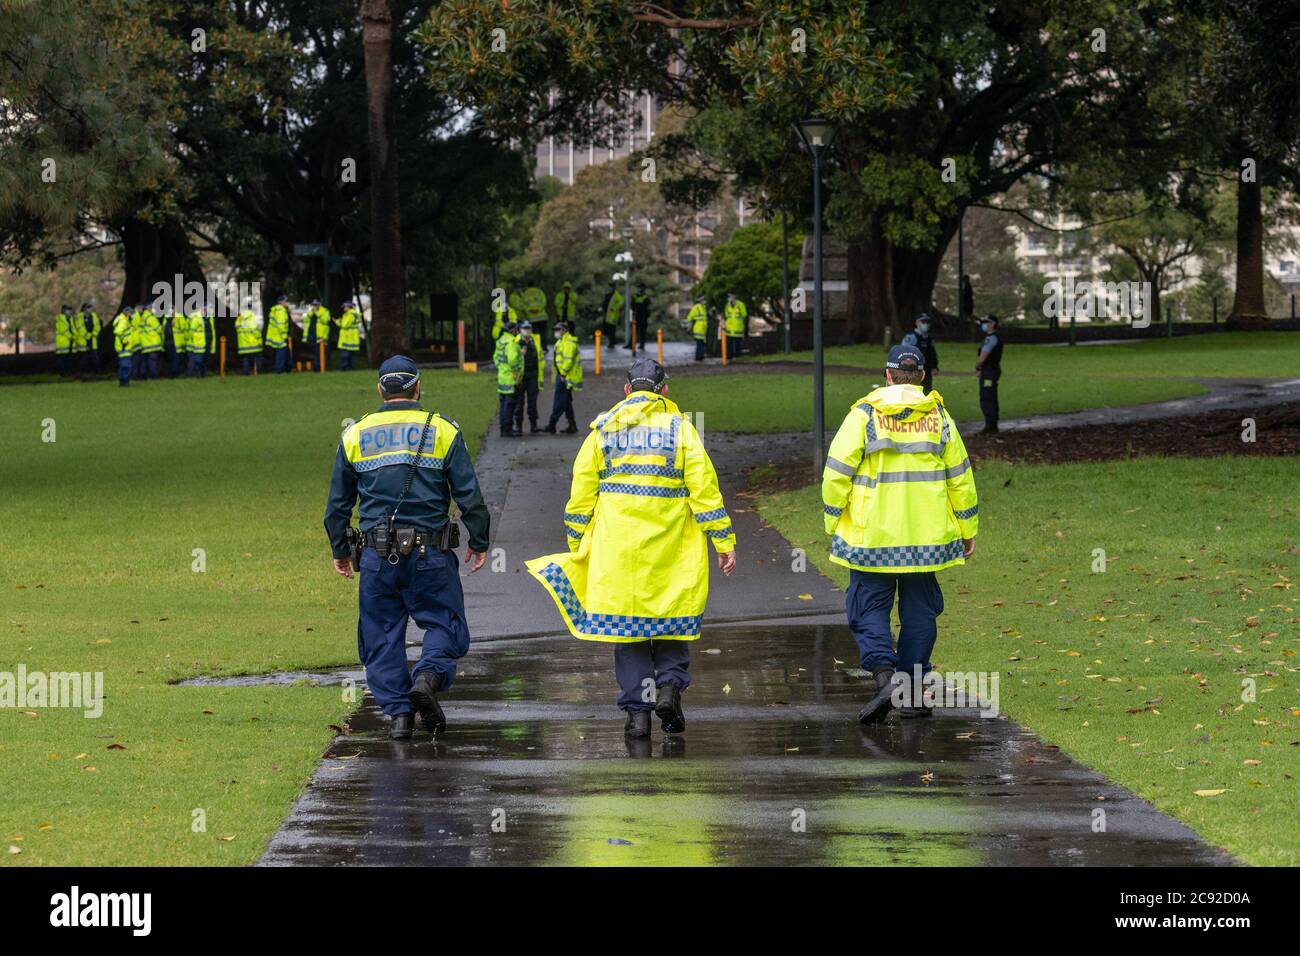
{"points": [[832, 510], [396, 458], [658, 471], [901, 556], [720, 533], [575, 518], [573, 534], [652, 491], [713, 515], [614, 625], [965, 513]]}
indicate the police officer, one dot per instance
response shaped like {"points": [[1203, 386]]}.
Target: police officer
{"points": [[698, 319], [316, 334], [277, 333], [736, 320], [640, 317], [176, 335], [568, 378], [349, 337], [406, 465], [510, 369], [921, 340], [124, 343], [203, 340], [611, 313], [248, 341], [64, 336], [988, 366], [637, 570], [151, 341], [566, 308], [534, 299], [899, 502], [531, 381]]}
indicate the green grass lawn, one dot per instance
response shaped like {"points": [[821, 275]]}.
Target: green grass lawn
{"points": [[1140, 671], [99, 536], [1246, 354]]}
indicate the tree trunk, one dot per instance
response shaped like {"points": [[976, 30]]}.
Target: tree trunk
{"points": [[388, 296], [870, 273], [154, 255], [1248, 303]]}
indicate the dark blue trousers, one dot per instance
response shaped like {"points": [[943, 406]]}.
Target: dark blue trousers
{"points": [[526, 396], [989, 398], [347, 360], [425, 588], [124, 363], [869, 603], [507, 411], [643, 666], [699, 350], [562, 405], [198, 365], [282, 360]]}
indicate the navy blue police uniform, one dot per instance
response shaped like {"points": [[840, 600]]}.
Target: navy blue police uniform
{"points": [[989, 373], [406, 466]]}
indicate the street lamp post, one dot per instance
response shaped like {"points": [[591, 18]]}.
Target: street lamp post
{"points": [[816, 135], [785, 279]]}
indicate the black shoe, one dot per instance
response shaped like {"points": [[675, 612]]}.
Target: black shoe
{"points": [[669, 709], [571, 430], [911, 713], [881, 702], [426, 704], [533, 429], [549, 429], [638, 724], [402, 726], [989, 430]]}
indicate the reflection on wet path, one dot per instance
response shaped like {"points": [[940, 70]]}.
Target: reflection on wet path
{"points": [[773, 769]]}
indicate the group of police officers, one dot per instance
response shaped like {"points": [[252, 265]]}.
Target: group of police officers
{"points": [[898, 499], [187, 341]]}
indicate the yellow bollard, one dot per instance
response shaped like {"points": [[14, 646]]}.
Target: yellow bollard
{"points": [[661, 346], [223, 356], [598, 351]]}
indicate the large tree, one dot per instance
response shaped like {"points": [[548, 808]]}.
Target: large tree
{"points": [[937, 106]]}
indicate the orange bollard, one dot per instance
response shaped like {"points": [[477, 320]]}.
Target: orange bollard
{"points": [[223, 356], [724, 350], [634, 338], [460, 343], [322, 357], [661, 346], [598, 351]]}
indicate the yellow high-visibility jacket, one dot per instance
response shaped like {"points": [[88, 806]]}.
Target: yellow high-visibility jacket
{"points": [[568, 361], [499, 322], [202, 334], [125, 335], [898, 493], [566, 304], [699, 319], [151, 332], [642, 508], [63, 333], [277, 327], [248, 333], [735, 313], [614, 310], [509, 360], [91, 333], [350, 330], [181, 332], [534, 300]]}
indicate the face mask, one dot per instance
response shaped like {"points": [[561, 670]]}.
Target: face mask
{"points": [[924, 326], [985, 327]]}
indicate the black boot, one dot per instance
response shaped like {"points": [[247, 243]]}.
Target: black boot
{"points": [[402, 726], [638, 724], [571, 430], [669, 709], [880, 704], [422, 690], [550, 429]]}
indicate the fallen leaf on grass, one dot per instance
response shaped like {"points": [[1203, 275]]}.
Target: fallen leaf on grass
{"points": [[1210, 793]]}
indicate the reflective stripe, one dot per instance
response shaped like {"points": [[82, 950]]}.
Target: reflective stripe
{"points": [[651, 491], [614, 625], [902, 556], [713, 515], [719, 533], [834, 464], [573, 534], [576, 518], [659, 471], [957, 469], [871, 424], [941, 474], [396, 458], [832, 511], [965, 513], [907, 447]]}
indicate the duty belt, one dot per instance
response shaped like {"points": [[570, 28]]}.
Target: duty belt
{"points": [[397, 543]]}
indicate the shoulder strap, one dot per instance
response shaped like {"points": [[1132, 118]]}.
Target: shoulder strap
{"points": [[410, 471]]}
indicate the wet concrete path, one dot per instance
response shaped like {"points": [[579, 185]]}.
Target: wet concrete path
{"points": [[773, 769]]}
